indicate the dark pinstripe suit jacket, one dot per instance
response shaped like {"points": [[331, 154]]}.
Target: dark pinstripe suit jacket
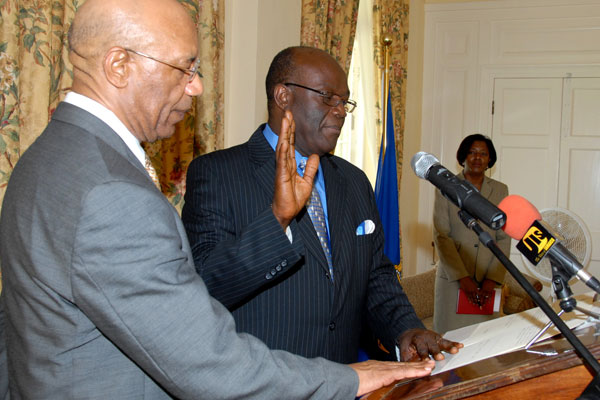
{"points": [[280, 292]]}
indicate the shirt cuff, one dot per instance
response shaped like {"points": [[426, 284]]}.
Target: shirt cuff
{"points": [[288, 233]]}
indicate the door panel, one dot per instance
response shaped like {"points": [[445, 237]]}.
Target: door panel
{"points": [[526, 134], [579, 179]]}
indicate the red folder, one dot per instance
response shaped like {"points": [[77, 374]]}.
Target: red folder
{"points": [[463, 306]]}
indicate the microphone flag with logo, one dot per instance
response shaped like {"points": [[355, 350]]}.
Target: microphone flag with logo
{"points": [[536, 240]]}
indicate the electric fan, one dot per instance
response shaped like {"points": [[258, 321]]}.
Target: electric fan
{"points": [[572, 233]]}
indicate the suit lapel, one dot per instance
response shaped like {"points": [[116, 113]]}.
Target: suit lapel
{"points": [[340, 230], [310, 239], [486, 188], [262, 157]]}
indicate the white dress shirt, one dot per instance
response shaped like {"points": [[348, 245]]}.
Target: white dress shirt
{"points": [[110, 119]]}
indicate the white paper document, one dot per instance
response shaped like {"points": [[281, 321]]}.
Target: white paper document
{"points": [[506, 334]]}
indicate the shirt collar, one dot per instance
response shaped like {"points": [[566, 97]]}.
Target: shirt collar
{"points": [[110, 119], [272, 139]]}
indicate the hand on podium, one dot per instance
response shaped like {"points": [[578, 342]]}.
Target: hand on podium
{"points": [[420, 344], [373, 375]]}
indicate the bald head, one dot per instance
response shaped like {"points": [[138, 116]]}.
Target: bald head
{"points": [[142, 24], [135, 58]]}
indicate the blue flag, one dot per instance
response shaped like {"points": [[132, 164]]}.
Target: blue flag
{"points": [[386, 190]]}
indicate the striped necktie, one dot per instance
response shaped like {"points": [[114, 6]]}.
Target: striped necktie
{"points": [[152, 172], [317, 216]]}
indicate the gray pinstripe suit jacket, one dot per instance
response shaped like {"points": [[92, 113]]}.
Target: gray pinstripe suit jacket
{"points": [[280, 292], [101, 297]]}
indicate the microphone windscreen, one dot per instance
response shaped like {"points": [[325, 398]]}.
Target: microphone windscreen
{"points": [[520, 214], [422, 162]]}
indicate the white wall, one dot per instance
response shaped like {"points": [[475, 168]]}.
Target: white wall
{"points": [[410, 228], [255, 30]]}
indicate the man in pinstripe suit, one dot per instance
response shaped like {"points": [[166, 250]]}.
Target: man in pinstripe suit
{"points": [[272, 272]]}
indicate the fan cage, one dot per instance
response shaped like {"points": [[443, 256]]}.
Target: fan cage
{"points": [[572, 233]]}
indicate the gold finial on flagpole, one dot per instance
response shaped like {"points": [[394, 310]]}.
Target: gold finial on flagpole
{"points": [[387, 47]]}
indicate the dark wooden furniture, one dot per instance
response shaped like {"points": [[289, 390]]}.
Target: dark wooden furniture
{"points": [[518, 375]]}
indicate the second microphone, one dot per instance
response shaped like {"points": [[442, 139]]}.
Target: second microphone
{"points": [[460, 192]]}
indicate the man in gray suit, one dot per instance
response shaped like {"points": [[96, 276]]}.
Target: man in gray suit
{"points": [[100, 295]]}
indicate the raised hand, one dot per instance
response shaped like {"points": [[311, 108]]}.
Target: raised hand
{"points": [[291, 190]]}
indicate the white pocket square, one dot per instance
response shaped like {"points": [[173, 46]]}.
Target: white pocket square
{"points": [[365, 228]]}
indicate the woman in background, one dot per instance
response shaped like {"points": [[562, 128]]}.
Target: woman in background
{"points": [[463, 261]]}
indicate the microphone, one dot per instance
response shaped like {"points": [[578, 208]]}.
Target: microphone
{"points": [[537, 240], [462, 193]]}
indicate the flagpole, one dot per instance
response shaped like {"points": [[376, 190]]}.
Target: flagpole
{"points": [[386, 185], [387, 43]]}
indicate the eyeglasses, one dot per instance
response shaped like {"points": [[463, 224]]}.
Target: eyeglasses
{"points": [[190, 71], [330, 99]]}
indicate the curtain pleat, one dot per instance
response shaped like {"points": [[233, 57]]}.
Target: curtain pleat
{"points": [[330, 25]]}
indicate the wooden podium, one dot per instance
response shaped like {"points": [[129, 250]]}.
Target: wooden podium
{"points": [[554, 371]]}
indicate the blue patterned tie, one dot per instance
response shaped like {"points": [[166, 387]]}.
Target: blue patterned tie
{"points": [[317, 216]]}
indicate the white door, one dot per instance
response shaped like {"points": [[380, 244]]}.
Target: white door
{"points": [[547, 135], [579, 177]]}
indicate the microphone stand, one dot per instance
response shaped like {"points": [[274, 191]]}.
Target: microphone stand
{"points": [[560, 279], [560, 284], [589, 360]]}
